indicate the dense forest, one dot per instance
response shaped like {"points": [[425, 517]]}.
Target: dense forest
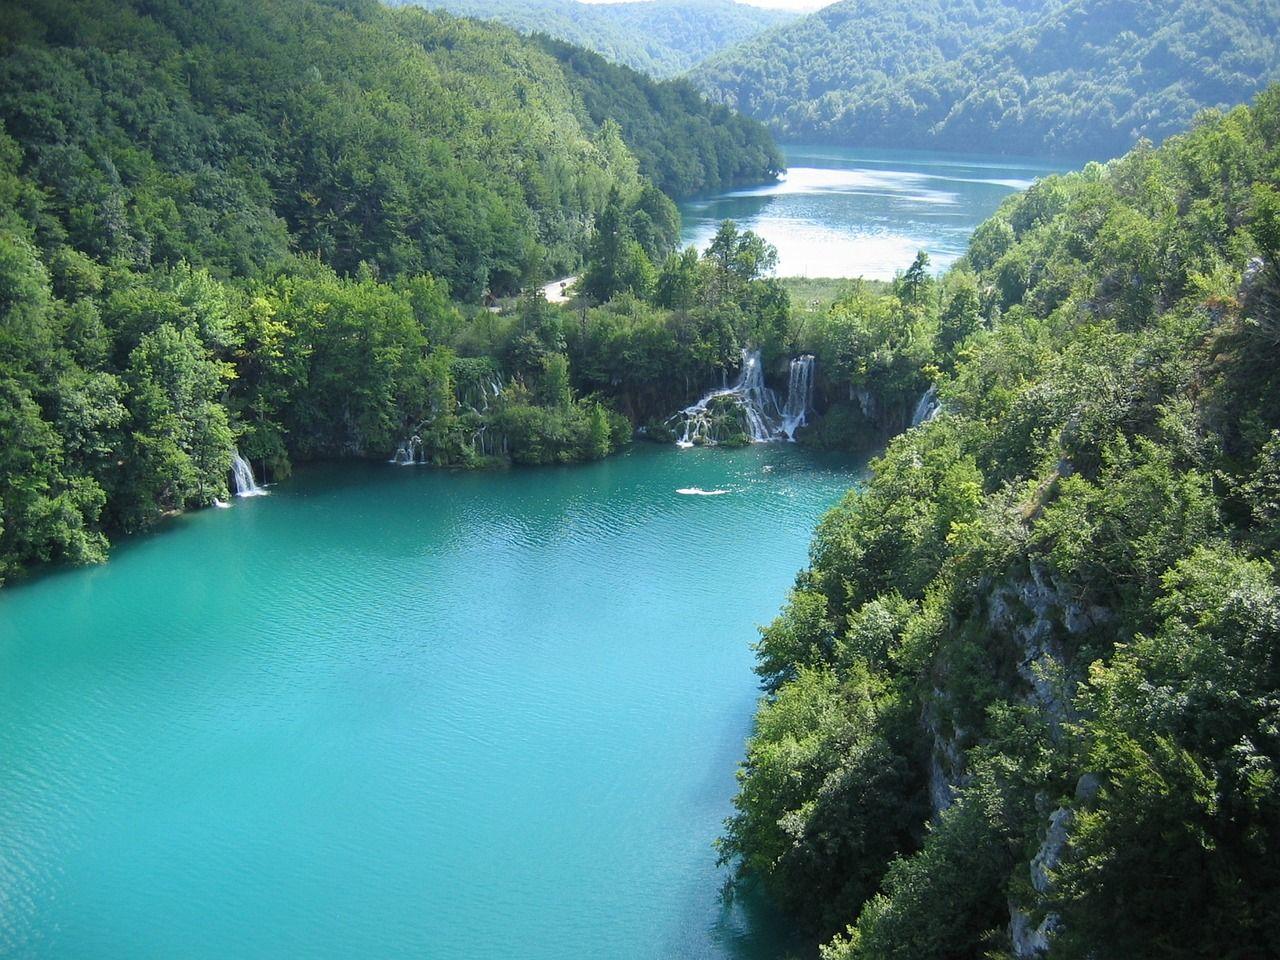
{"points": [[412, 141], [683, 143], [268, 227], [1084, 78], [662, 38], [1024, 700]]}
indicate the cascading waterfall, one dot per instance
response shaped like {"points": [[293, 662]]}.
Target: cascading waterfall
{"points": [[927, 408], [748, 404], [488, 444], [748, 408], [409, 452], [799, 395], [242, 477], [475, 396], [487, 391]]}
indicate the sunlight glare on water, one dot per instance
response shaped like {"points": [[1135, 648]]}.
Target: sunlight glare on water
{"points": [[849, 213]]}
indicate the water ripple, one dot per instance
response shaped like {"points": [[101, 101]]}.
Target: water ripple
{"points": [[366, 714]]}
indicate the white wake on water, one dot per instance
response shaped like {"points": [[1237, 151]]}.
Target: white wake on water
{"points": [[699, 492]]}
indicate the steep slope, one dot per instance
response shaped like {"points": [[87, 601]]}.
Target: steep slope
{"points": [[1082, 78], [662, 38], [230, 132], [1023, 702], [684, 143], [787, 75]]}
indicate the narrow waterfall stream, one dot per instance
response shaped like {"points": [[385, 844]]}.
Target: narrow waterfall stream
{"points": [[799, 395], [928, 407], [246, 485]]}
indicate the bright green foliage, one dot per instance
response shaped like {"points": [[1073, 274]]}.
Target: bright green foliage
{"points": [[1080, 78], [355, 344], [47, 516], [827, 794], [179, 449], [879, 344], [1174, 854], [240, 226], [801, 636], [659, 341], [895, 535], [1063, 587]]}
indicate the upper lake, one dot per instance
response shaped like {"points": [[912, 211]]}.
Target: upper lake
{"points": [[865, 213], [402, 712]]}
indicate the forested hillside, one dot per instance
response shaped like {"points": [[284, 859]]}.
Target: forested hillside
{"points": [[250, 225], [1075, 78], [662, 38], [1024, 700], [683, 143], [413, 141]]}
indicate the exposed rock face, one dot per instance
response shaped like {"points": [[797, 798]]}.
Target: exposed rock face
{"points": [[946, 759], [1038, 615], [1028, 941], [1031, 942]]}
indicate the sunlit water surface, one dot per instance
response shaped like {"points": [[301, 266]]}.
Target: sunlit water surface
{"points": [[395, 712], [866, 213]]}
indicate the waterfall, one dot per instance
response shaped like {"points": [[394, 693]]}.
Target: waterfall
{"points": [[799, 395], [927, 408], [494, 389], [748, 403], [409, 452], [243, 479], [486, 443]]}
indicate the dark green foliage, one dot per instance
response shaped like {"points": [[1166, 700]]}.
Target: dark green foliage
{"points": [[657, 343], [1077, 78], [662, 38], [408, 140], [1175, 854], [617, 261], [684, 143], [1058, 600]]}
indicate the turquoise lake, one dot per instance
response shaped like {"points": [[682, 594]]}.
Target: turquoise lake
{"points": [[396, 712], [865, 213]]}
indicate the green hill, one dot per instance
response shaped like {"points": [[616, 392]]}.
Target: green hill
{"points": [[229, 133], [1079, 78], [662, 38]]}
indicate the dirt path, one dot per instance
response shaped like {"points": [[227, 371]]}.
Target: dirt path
{"points": [[555, 290]]}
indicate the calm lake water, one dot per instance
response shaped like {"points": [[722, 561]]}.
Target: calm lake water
{"points": [[850, 213], [390, 711]]}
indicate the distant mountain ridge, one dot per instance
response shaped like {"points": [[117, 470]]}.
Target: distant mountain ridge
{"points": [[662, 38], [1063, 77]]}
